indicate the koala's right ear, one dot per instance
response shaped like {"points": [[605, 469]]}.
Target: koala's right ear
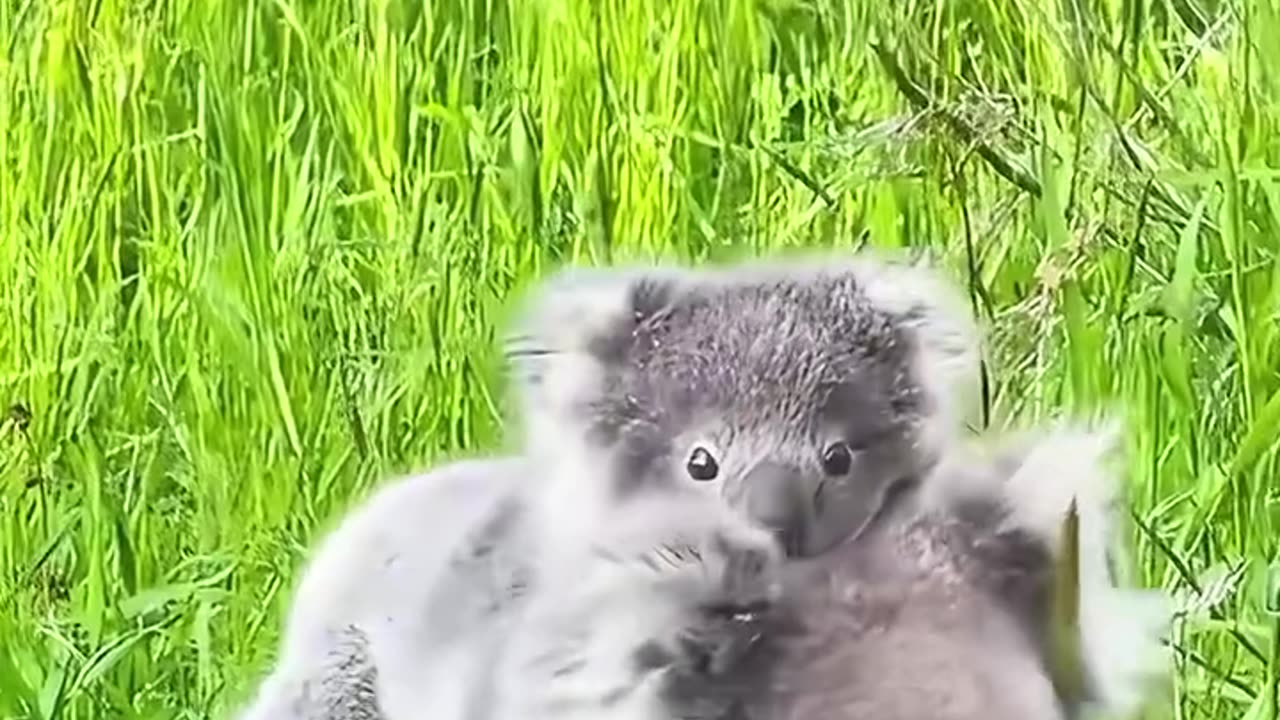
{"points": [[574, 329]]}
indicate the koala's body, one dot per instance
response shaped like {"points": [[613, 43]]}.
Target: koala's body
{"points": [[413, 583], [942, 609], [795, 393]]}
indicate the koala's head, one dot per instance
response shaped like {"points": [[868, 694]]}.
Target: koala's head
{"points": [[801, 391]]}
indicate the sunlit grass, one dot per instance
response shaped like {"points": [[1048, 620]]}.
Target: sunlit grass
{"points": [[252, 256]]}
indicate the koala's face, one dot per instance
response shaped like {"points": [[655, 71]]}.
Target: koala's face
{"points": [[795, 401], [800, 396]]}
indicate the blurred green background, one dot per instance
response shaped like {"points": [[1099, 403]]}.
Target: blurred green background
{"points": [[253, 254]]}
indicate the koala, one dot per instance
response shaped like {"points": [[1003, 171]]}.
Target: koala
{"points": [[943, 609], [797, 392]]}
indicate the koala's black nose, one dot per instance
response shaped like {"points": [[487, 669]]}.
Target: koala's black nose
{"points": [[776, 498]]}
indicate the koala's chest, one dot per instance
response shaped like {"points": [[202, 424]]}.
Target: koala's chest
{"points": [[929, 658]]}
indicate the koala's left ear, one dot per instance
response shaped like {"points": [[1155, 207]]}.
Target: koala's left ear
{"points": [[574, 326], [936, 313]]}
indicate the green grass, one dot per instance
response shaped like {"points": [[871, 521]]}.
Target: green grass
{"points": [[253, 254]]}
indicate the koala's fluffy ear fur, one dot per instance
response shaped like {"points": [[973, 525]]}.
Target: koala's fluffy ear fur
{"points": [[936, 313], [571, 326]]}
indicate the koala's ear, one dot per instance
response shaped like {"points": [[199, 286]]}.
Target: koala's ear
{"points": [[576, 325], [934, 310]]}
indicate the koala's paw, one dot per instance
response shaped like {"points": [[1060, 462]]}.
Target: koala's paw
{"points": [[693, 552], [743, 566], [723, 604]]}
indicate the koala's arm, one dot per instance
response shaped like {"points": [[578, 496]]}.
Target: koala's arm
{"points": [[409, 569], [657, 592], [1120, 627], [1038, 476]]}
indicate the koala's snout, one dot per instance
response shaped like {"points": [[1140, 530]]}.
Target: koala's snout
{"points": [[776, 498]]}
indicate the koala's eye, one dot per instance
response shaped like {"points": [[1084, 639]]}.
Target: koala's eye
{"points": [[837, 459], [702, 466]]}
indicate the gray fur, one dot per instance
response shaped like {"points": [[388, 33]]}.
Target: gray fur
{"points": [[427, 569], [621, 373]]}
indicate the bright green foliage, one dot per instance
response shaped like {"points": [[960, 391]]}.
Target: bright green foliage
{"points": [[253, 255]]}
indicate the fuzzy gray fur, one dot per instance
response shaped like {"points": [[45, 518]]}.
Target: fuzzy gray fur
{"points": [[342, 686], [621, 373], [427, 570]]}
